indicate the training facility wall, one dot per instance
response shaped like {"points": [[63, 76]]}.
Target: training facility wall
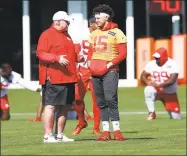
{"points": [[145, 47], [176, 47]]}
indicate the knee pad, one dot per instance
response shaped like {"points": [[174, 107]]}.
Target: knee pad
{"points": [[150, 93], [174, 115]]}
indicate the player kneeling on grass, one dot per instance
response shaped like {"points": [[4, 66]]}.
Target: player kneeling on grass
{"points": [[163, 84], [7, 77]]}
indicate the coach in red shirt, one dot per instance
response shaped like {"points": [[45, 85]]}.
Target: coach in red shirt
{"points": [[57, 74]]}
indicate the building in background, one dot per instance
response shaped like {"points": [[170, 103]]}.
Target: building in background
{"points": [[41, 12]]}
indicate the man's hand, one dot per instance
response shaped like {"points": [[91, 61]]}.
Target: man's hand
{"points": [[63, 61], [149, 83], [109, 65], [155, 85], [38, 90]]}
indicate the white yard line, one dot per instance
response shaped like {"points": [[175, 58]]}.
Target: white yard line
{"points": [[119, 150], [121, 113]]}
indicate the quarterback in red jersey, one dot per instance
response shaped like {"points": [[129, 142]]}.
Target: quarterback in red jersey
{"points": [[84, 84]]}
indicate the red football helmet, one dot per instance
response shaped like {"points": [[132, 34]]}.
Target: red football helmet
{"points": [[162, 55]]}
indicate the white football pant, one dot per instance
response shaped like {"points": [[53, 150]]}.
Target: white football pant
{"points": [[150, 98]]}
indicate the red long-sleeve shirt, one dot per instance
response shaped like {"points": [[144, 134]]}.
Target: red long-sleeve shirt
{"points": [[122, 50], [51, 45]]}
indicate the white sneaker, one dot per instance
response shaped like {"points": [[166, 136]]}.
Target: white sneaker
{"points": [[49, 138], [63, 138], [66, 139]]}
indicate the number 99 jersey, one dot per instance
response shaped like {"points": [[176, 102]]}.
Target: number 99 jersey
{"points": [[159, 74]]}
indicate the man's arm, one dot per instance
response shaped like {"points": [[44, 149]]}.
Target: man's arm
{"points": [[17, 79], [43, 55], [122, 49], [90, 52], [28, 85], [121, 46], [144, 78], [90, 49], [174, 72], [47, 57], [43, 48], [172, 79]]}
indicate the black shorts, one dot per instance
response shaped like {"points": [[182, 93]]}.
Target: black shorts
{"points": [[58, 94]]}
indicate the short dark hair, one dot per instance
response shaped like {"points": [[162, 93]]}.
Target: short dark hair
{"points": [[105, 9], [92, 20]]}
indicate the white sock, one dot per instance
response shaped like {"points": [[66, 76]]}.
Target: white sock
{"points": [[115, 125], [105, 125], [59, 135], [48, 134], [150, 106]]}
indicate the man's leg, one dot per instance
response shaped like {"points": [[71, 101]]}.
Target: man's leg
{"points": [[66, 98], [49, 95], [49, 118], [61, 118], [87, 115], [5, 115], [5, 108], [100, 99], [150, 94], [39, 113], [96, 112], [171, 104], [110, 83], [79, 107], [48, 121]]}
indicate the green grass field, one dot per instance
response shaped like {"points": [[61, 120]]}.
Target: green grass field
{"points": [[162, 136]]}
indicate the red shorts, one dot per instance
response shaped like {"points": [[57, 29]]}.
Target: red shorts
{"points": [[4, 103], [83, 84], [170, 101]]}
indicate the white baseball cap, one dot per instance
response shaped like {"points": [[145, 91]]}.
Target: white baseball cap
{"points": [[60, 15], [156, 55], [160, 53]]}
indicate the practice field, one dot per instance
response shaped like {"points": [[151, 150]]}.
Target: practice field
{"points": [[162, 136]]}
